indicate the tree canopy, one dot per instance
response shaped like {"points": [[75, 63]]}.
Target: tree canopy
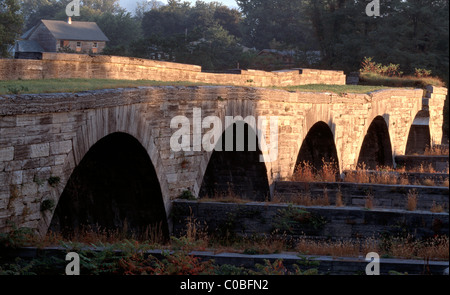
{"points": [[411, 33], [11, 22]]}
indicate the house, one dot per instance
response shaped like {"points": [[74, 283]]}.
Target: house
{"points": [[27, 49], [61, 36]]}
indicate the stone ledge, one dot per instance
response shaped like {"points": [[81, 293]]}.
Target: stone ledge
{"points": [[327, 264]]}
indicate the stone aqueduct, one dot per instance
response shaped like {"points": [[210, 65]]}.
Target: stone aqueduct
{"points": [[45, 137]]}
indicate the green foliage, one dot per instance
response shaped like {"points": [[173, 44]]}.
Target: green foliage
{"points": [[66, 49], [422, 73], [230, 270], [11, 22], [76, 85], [181, 263], [396, 273], [19, 267], [369, 66], [287, 220], [187, 195], [281, 20], [16, 237], [105, 261], [53, 181], [38, 180], [17, 90], [205, 34], [277, 268], [47, 205], [268, 268], [184, 243]]}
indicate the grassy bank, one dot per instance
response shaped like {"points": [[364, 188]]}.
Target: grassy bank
{"points": [[77, 85], [339, 89]]}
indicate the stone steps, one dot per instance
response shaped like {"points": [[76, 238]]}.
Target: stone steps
{"points": [[409, 162], [326, 264], [322, 222], [355, 194]]}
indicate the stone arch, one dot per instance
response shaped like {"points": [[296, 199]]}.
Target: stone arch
{"points": [[240, 110], [318, 147], [238, 172], [98, 124], [115, 186], [419, 137], [376, 148]]}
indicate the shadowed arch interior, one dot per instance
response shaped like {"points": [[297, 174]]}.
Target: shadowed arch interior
{"points": [[419, 137], [376, 148], [236, 173], [318, 148], [115, 187]]}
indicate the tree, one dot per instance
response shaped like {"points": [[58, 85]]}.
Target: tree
{"points": [[181, 33], [282, 20], [121, 28], [229, 19], [145, 6], [34, 11], [218, 50], [11, 22]]}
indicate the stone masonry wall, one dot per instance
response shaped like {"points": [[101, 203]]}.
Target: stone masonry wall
{"points": [[44, 136], [59, 65], [326, 222], [435, 96]]}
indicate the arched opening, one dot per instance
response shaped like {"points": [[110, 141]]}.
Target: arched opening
{"points": [[236, 173], [318, 149], [114, 188], [376, 150], [419, 137]]}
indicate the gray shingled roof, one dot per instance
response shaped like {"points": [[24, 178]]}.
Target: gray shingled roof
{"points": [[85, 31], [28, 46]]}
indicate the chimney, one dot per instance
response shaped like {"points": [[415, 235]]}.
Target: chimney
{"points": [[69, 20]]}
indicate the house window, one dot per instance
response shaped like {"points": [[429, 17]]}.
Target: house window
{"points": [[95, 45], [79, 44]]}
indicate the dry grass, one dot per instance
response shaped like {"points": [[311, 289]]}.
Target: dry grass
{"points": [[389, 175], [423, 169], [428, 182], [196, 238], [435, 208], [445, 183], [151, 234], [369, 202], [336, 249], [436, 248], [229, 196], [437, 150], [369, 78], [305, 172], [303, 199], [411, 204], [360, 175], [339, 200], [307, 200], [382, 175]]}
